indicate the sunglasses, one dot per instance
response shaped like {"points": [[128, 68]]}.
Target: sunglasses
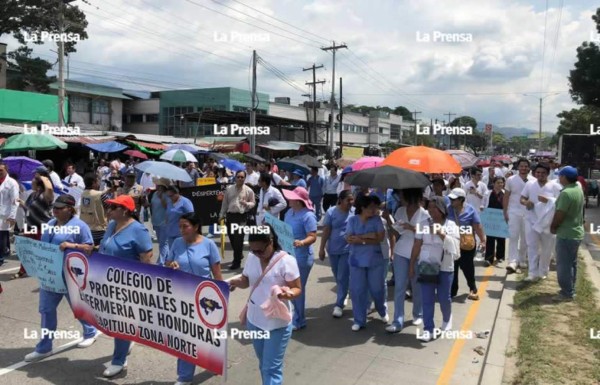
{"points": [[114, 207], [260, 252]]}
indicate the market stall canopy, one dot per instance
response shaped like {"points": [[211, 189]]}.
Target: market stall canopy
{"points": [[112, 146], [275, 145], [25, 142]]}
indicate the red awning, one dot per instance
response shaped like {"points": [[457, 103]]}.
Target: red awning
{"points": [[149, 145]]}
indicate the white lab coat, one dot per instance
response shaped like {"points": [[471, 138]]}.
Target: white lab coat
{"points": [[263, 199], [9, 195]]}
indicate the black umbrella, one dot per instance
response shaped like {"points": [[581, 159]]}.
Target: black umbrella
{"points": [[255, 158], [217, 156], [289, 164], [308, 160], [388, 177]]}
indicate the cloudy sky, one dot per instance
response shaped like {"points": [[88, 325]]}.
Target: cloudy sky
{"points": [[508, 48]]}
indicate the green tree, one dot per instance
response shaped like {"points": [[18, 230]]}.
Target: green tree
{"points": [[464, 121], [576, 121], [585, 78], [31, 72]]}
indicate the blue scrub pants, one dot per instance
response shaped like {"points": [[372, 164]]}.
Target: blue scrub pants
{"points": [[120, 352], [163, 245], [401, 267], [299, 318], [48, 304], [185, 371], [365, 281], [428, 293], [317, 203], [270, 352], [341, 273]]}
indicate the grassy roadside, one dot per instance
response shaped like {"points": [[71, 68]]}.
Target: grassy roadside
{"points": [[554, 345]]}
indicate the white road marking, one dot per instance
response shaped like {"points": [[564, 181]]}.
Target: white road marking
{"points": [[11, 269]]}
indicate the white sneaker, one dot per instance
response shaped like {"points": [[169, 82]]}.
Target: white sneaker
{"points": [[425, 337], [35, 356], [130, 348], [337, 312], [385, 319], [183, 383], [447, 325], [355, 327], [393, 329], [113, 370], [87, 342], [511, 267], [530, 278], [417, 322]]}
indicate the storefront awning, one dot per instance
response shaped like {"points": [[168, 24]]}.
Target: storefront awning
{"points": [[281, 146], [150, 145]]}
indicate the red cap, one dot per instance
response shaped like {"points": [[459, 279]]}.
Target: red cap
{"points": [[123, 200]]}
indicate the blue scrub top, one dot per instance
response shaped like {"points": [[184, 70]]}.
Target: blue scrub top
{"points": [[365, 255], [300, 182], [302, 222], [159, 213], [337, 220], [195, 259], [84, 236], [316, 184], [174, 212], [468, 217], [128, 243]]}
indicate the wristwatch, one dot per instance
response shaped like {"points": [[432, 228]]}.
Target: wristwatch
{"points": [[364, 242]]}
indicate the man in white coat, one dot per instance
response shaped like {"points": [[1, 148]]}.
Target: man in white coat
{"points": [[270, 199], [476, 190], [539, 243], [514, 214], [9, 203]]}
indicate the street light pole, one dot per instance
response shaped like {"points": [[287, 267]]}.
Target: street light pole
{"points": [[540, 120]]}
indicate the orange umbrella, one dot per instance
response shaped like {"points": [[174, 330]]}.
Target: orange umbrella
{"points": [[423, 159]]}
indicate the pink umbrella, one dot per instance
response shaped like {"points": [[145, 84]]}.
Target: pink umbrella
{"points": [[366, 162]]}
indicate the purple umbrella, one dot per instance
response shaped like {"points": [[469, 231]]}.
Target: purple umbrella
{"points": [[22, 166]]}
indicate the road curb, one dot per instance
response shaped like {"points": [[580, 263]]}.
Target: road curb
{"points": [[592, 273], [495, 359]]}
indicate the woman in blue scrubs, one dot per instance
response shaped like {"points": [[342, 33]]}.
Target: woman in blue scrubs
{"points": [[302, 219], [177, 205], [76, 235], [196, 255], [126, 238], [364, 233], [334, 230]]}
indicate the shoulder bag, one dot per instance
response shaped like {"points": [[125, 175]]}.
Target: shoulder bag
{"points": [[429, 272], [244, 312], [467, 241]]}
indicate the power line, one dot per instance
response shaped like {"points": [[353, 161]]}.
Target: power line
{"points": [[544, 47], [556, 36]]}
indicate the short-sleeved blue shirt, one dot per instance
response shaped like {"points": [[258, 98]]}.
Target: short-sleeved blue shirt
{"points": [[83, 236], [316, 184], [302, 222], [468, 217], [337, 221], [128, 243], [174, 212], [195, 259], [365, 255], [300, 182]]}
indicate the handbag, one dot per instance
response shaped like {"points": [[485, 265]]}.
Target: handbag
{"points": [[244, 313], [467, 241], [428, 272]]}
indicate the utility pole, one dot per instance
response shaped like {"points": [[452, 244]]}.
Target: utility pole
{"points": [[61, 63], [540, 142], [309, 96], [415, 113], [314, 99], [254, 104], [341, 118], [333, 48]]}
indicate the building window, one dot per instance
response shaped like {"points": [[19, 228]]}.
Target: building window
{"points": [[137, 118], [100, 107], [79, 103], [152, 118], [381, 130]]}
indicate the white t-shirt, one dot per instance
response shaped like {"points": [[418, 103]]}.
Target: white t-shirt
{"points": [[473, 199], [331, 184], [533, 189], [515, 185], [404, 245], [252, 178], [285, 271], [433, 247]]}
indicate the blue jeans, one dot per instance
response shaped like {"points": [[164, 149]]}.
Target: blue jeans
{"points": [[270, 352], [185, 370], [365, 281], [4, 245], [401, 267], [566, 265], [341, 273], [163, 245], [317, 203], [48, 304], [299, 318], [428, 293], [120, 352]]}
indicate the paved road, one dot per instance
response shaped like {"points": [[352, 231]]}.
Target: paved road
{"points": [[326, 352]]}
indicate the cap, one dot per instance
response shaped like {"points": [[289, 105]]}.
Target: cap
{"points": [[65, 200], [48, 163], [123, 200], [569, 172], [41, 170], [298, 172], [457, 193]]}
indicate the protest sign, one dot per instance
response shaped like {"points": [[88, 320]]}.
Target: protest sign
{"points": [[205, 181], [42, 260], [493, 223], [206, 200], [169, 310], [284, 233]]}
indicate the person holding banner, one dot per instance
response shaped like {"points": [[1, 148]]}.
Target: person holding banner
{"points": [[268, 267], [364, 233], [303, 221], [495, 246], [126, 238], [196, 255], [158, 211], [334, 228], [69, 232]]}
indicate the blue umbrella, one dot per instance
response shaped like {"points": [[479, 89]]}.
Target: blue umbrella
{"points": [[164, 170], [233, 165], [23, 166], [292, 165]]}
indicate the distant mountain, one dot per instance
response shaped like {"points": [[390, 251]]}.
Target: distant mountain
{"points": [[509, 132]]}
